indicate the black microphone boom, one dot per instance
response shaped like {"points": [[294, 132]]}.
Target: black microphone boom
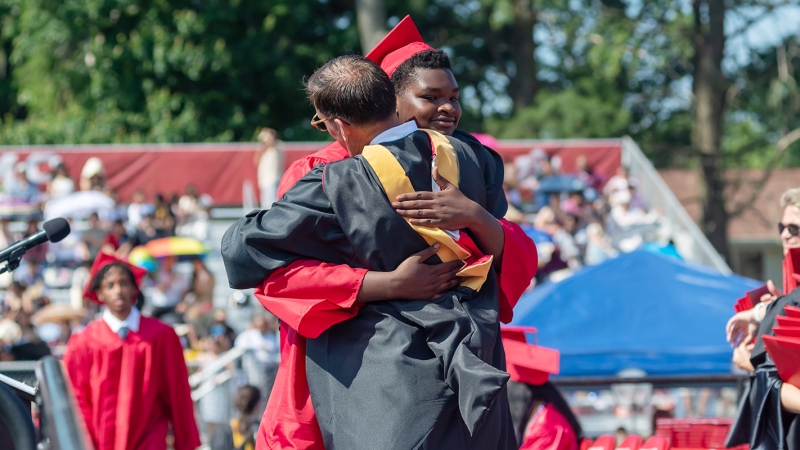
{"points": [[54, 231]]}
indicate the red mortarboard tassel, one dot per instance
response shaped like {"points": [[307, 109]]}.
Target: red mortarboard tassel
{"points": [[403, 42], [102, 260]]}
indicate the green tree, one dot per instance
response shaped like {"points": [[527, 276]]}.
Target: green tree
{"points": [[165, 71]]}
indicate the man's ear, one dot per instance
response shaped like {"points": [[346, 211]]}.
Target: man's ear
{"points": [[342, 129]]}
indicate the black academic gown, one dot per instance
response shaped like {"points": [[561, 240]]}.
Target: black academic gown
{"points": [[401, 374], [761, 421]]}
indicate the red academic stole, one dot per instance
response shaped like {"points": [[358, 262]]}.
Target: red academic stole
{"points": [[395, 182]]}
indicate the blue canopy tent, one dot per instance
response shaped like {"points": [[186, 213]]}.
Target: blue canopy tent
{"points": [[640, 310]]}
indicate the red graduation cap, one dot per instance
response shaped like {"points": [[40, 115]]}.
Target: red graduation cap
{"points": [[786, 331], [791, 270], [102, 260], [788, 321], [528, 363], [791, 311], [784, 351], [403, 42]]}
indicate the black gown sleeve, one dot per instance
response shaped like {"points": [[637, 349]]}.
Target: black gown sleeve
{"points": [[493, 172], [301, 225]]}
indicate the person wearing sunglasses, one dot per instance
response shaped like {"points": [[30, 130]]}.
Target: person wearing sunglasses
{"points": [[768, 418]]}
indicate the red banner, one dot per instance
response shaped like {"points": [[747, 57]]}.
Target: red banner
{"points": [[223, 170]]}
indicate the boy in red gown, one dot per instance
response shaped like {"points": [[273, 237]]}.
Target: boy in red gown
{"points": [[127, 371]]}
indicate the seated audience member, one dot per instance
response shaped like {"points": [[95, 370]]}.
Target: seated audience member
{"points": [[260, 363], [240, 432], [61, 185]]}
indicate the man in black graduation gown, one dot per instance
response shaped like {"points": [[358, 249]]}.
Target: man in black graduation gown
{"points": [[763, 420], [401, 374]]}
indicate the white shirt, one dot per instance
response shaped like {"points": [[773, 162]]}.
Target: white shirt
{"points": [[264, 346], [395, 133], [131, 322]]}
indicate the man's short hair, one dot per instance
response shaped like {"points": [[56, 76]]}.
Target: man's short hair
{"points": [[352, 89], [791, 197], [429, 59]]}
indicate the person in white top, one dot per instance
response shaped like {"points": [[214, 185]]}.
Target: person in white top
{"points": [[260, 363], [269, 160]]}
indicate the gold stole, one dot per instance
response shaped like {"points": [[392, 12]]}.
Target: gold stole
{"points": [[395, 182]]}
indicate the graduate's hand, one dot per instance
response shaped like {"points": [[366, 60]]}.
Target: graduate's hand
{"points": [[415, 280], [448, 209], [773, 293], [741, 324], [741, 356]]}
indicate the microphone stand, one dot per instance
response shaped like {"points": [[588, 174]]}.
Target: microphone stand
{"points": [[12, 263]]}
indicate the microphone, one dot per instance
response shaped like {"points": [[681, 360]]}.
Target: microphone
{"points": [[54, 231]]}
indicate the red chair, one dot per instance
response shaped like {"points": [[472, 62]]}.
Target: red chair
{"points": [[656, 443], [632, 442], [585, 444], [604, 442]]}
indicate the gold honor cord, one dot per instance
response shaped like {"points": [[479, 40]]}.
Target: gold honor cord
{"points": [[395, 182]]}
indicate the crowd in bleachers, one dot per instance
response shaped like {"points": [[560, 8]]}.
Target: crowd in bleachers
{"points": [[579, 217]]}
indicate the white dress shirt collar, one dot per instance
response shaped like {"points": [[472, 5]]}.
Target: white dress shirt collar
{"points": [[131, 322], [395, 133]]}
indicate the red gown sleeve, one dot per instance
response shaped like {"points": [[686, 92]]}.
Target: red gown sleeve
{"points": [[179, 396], [519, 265], [77, 361], [311, 296]]}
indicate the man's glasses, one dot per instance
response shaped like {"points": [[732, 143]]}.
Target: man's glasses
{"points": [[793, 228], [319, 123]]}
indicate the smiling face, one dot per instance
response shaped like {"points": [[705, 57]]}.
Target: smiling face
{"points": [[431, 99], [117, 291]]}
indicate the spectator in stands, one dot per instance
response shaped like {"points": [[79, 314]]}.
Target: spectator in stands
{"points": [[240, 433], [70, 251], [22, 189], [170, 289], [146, 231], [10, 331], [95, 236], [193, 214], [214, 405], [598, 249], [200, 298], [219, 321], [92, 175], [163, 218], [137, 210], [115, 238], [61, 184], [269, 160], [260, 362], [587, 174], [565, 243]]}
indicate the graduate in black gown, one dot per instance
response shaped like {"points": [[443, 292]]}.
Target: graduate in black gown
{"points": [[768, 414], [401, 374]]}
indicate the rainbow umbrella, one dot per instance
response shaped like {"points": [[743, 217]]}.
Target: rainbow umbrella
{"points": [[140, 257], [182, 247]]}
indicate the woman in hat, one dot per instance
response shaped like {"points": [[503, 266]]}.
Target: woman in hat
{"points": [[127, 371]]}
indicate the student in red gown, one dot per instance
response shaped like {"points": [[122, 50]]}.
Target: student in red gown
{"points": [[127, 371], [311, 296]]}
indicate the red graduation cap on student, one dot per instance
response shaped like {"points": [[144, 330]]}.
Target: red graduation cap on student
{"points": [[102, 260], [528, 363], [403, 42]]}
